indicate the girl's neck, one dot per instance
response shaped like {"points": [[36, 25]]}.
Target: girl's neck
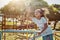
{"points": [[38, 18]]}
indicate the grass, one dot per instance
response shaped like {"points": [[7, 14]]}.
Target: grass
{"points": [[13, 36]]}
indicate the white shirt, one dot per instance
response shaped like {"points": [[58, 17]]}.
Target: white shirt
{"points": [[40, 23]]}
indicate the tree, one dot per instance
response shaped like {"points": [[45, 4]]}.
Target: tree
{"points": [[13, 8], [54, 14], [38, 4]]}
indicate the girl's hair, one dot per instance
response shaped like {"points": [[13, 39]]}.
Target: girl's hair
{"points": [[41, 11]]}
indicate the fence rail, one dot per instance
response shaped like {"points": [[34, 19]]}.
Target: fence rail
{"points": [[24, 31]]}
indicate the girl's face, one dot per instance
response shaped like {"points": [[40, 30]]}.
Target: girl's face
{"points": [[37, 14]]}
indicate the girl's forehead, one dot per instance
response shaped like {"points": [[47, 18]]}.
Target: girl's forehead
{"points": [[36, 13], [37, 10]]}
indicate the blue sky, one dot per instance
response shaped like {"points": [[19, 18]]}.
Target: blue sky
{"points": [[53, 1], [5, 2]]}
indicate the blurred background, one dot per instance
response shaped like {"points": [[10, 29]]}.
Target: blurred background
{"points": [[12, 12]]}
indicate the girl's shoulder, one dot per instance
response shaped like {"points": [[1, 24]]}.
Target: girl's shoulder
{"points": [[33, 19], [44, 19]]}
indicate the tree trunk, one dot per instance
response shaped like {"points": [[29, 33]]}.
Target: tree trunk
{"points": [[55, 24]]}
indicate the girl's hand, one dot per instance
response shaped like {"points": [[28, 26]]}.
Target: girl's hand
{"points": [[39, 33]]}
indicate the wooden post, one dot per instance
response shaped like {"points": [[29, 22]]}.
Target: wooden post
{"points": [[13, 23], [4, 22], [0, 35], [27, 29]]}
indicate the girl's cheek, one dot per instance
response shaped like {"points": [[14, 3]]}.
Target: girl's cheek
{"points": [[40, 14], [35, 14]]}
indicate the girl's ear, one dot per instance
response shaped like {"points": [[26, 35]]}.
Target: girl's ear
{"points": [[43, 15], [42, 10]]}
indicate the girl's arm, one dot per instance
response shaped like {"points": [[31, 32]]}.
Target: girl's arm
{"points": [[45, 27]]}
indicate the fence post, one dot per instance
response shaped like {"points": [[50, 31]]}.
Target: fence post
{"points": [[34, 36], [0, 35]]}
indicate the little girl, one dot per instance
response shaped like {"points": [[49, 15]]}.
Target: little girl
{"points": [[40, 20]]}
